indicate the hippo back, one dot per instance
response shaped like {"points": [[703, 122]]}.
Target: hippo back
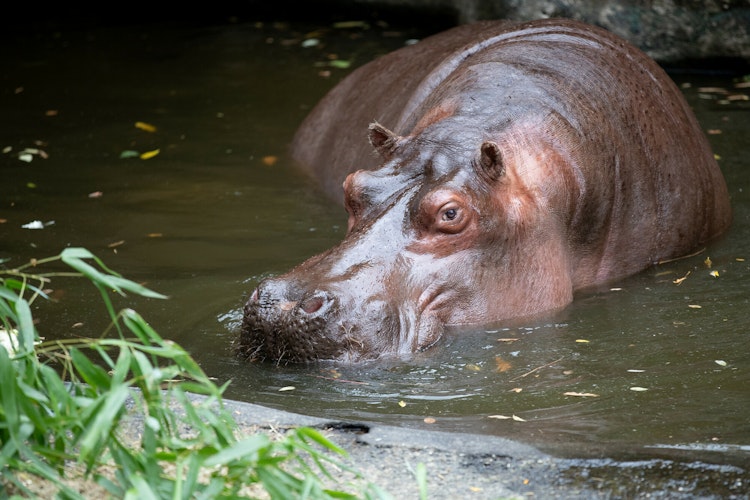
{"points": [[636, 182]]}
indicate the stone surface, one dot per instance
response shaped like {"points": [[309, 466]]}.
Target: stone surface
{"points": [[667, 30]]}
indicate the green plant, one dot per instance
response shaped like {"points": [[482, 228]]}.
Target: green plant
{"points": [[124, 411]]}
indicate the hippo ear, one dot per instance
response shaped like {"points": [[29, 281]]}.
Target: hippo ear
{"points": [[491, 161], [383, 140]]}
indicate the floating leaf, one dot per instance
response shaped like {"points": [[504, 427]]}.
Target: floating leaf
{"points": [[269, 160], [508, 339], [502, 365], [340, 64], [720, 362], [351, 24], [287, 388], [582, 341], [638, 389], [636, 371], [505, 417], [147, 127], [679, 281], [129, 153], [714, 273], [96, 194], [401, 404], [149, 154], [694, 306], [429, 420], [473, 367], [310, 42], [581, 394]]}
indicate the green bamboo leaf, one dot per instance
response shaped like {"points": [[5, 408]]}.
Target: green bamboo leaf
{"points": [[98, 430], [136, 288], [26, 330], [140, 489], [92, 374], [8, 397], [314, 435], [73, 257], [122, 367], [246, 448], [140, 328]]}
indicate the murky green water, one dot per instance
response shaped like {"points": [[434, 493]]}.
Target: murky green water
{"points": [[207, 217]]}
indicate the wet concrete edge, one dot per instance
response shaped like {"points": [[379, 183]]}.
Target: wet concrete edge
{"points": [[462, 465]]}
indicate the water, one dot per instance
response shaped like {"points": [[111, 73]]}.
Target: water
{"points": [[221, 206]]}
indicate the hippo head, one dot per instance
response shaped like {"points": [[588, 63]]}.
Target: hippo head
{"points": [[432, 235]]}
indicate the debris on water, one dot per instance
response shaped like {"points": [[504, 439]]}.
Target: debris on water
{"points": [[679, 281], [96, 194], [720, 362], [581, 394], [501, 365], [714, 273], [150, 154], [37, 224], [695, 306], [352, 24], [707, 262], [269, 160], [146, 127], [638, 389], [582, 341], [505, 417], [340, 64], [429, 420], [287, 388]]}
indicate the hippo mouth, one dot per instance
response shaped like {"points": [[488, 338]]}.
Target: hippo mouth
{"points": [[296, 331]]}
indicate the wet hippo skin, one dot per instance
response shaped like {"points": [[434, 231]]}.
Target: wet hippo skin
{"points": [[513, 164]]}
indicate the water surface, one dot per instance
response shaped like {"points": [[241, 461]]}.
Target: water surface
{"points": [[632, 369]]}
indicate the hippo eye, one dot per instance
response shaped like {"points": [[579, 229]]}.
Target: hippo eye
{"points": [[450, 214], [451, 218]]}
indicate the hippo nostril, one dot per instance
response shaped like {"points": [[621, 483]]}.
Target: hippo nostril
{"points": [[313, 304]]}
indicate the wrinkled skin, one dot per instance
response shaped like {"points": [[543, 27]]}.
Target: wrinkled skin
{"points": [[526, 162]]}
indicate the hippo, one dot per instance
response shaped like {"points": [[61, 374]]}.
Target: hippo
{"points": [[508, 166]]}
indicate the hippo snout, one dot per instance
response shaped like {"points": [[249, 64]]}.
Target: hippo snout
{"points": [[285, 322]]}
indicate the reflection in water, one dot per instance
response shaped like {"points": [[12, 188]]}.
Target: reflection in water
{"points": [[221, 206]]}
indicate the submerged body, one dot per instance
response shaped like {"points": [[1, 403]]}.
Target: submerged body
{"points": [[525, 162]]}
